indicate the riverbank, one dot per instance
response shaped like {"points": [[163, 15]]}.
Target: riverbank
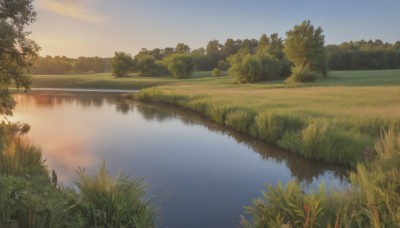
{"points": [[334, 120]]}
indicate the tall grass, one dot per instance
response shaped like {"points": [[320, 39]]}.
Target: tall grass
{"points": [[328, 140], [328, 143], [373, 200], [113, 202], [28, 199], [17, 155], [271, 126], [241, 120]]}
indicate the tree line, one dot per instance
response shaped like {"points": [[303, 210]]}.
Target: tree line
{"points": [[65, 65], [301, 56], [248, 60], [364, 55]]}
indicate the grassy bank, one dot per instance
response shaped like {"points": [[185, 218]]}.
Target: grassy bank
{"points": [[322, 121], [373, 200]]}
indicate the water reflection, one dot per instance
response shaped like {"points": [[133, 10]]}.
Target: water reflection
{"points": [[187, 159], [304, 170]]}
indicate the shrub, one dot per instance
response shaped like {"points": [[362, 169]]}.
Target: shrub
{"points": [[145, 65], [216, 72], [302, 75], [113, 202], [223, 65], [271, 67], [180, 66], [249, 70]]}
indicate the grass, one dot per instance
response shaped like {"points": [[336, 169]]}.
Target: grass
{"points": [[373, 199], [322, 121]]}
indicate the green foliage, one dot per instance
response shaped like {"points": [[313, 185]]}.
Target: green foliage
{"points": [[364, 55], [122, 63], [271, 67], [223, 65], [372, 201], [302, 75], [145, 65], [327, 143], [24, 204], [304, 47], [180, 66], [252, 68], [217, 111], [17, 52], [271, 126], [17, 155], [289, 206], [113, 202], [240, 120], [28, 199], [216, 72]]}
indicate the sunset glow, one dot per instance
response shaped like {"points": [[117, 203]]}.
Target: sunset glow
{"points": [[101, 27]]}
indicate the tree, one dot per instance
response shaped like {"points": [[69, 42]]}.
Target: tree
{"points": [[17, 52], [263, 43], [182, 48], [231, 47], [305, 48], [122, 63], [180, 66], [147, 65], [213, 50]]}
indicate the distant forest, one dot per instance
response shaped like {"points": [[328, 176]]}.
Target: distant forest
{"points": [[353, 55]]}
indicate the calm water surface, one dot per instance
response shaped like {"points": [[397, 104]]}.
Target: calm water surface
{"points": [[199, 174]]}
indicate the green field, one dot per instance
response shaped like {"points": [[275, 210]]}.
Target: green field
{"points": [[107, 81]]}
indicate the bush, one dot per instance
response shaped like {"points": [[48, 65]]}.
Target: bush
{"points": [[216, 72], [180, 66], [145, 65], [303, 75], [271, 67], [252, 68], [223, 65]]}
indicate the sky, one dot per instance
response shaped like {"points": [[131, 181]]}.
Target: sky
{"points": [[100, 27]]}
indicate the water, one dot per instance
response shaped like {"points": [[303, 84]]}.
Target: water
{"points": [[201, 175]]}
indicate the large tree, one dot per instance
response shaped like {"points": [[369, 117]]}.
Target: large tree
{"points": [[122, 63], [17, 52], [305, 48]]}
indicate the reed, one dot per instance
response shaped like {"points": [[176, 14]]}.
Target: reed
{"points": [[113, 202]]}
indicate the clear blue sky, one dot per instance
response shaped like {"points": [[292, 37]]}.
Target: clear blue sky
{"points": [[100, 27]]}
